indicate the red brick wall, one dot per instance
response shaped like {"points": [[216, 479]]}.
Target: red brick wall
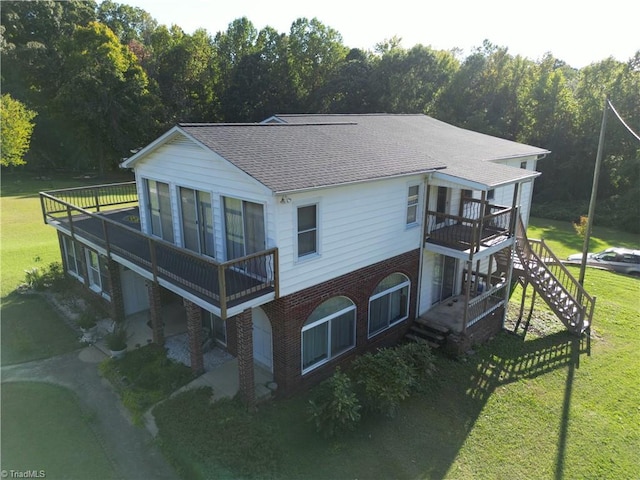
{"points": [[288, 314]]}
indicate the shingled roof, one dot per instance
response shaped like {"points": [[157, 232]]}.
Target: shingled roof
{"points": [[297, 152]]}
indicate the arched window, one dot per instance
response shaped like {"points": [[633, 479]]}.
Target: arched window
{"points": [[329, 331], [389, 303]]}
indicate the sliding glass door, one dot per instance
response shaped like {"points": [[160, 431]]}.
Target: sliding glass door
{"points": [[159, 204], [244, 231], [197, 221]]}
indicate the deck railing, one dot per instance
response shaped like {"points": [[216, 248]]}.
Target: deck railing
{"points": [[223, 284], [536, 252], [479, 224], [485, 304], [97, 197]]}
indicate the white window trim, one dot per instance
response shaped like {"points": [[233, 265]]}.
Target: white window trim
{"points": [[400, 286], [327, 319], [93, 286], [65, 243], [417, 206], [317, 253]]}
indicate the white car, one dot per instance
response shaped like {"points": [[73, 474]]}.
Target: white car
{"points": [[622, 260]]}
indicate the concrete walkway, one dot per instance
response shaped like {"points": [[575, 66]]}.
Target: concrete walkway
{"points": [[131, 449]]}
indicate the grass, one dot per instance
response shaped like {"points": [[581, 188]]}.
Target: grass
{"points": [[30, 328], [44, 430], [552, 406]]}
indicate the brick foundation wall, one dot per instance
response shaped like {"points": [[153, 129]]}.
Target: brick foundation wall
{"points": [[480, 332], [288, 314]]}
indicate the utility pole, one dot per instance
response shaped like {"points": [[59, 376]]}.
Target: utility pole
{"points": [[594, 193]]}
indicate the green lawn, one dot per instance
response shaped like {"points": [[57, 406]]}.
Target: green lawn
{"points": [[551, 406], [43, 429], [30, 328]]}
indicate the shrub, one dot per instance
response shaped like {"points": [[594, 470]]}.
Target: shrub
{"points": [[144, 377], [41, 278], [336, 408], [419, 357], [383, 380], [117, 340], [87, 320]]}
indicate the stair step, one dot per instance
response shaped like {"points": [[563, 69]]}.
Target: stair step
{"points": [[432, 326], [427, 334], [418, 339]]}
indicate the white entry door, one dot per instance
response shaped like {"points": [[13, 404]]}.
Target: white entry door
{"points": [[134, 291], [262, 342]]}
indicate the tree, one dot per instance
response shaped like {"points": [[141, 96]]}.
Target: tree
{"points": [[103, 101], [16, 127], [128, 23], [315, 53]]}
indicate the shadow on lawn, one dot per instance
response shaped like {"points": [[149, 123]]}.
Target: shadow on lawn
{"points": [[513, 361]]}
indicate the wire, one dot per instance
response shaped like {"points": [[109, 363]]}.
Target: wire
{"points": [[622, 121]]}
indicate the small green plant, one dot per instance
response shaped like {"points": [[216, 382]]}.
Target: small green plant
{"points": [[34, 278], [336, 408], [87, 320], [117, 340], [40, 278]]}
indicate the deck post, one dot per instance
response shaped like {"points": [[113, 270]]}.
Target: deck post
{"points": [[194, 330], [246, 374], [117, 298], [155, 312], [467, 297]]}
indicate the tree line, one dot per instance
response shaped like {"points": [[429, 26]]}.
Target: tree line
{"points": [[98, 81]]}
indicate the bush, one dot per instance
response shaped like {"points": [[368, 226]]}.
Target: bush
{"points": [[336, 408], [383, 380], [41, 278], [117, 340], [144, 377], [419, 357]]}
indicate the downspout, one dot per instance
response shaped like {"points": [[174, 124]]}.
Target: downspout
{"points": [[423, 229]]}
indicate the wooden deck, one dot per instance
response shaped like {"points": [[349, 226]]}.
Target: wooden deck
{"points": [[461, 237], [223, 285]]}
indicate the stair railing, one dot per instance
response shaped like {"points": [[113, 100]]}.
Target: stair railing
{"points": [[537, 252]]}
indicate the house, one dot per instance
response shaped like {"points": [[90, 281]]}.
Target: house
{"points": [[301, 241]]}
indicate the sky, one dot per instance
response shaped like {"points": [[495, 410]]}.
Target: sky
{"points": [[577, 32]]}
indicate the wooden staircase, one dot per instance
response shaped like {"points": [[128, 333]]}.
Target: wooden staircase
{"points": [[534, 263], [422, 331]]}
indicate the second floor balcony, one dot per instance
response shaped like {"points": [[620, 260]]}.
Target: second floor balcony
{"points": [[477, 225], [107, 218]]}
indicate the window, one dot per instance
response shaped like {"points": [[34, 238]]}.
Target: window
{"points": [[412, 204], [329, 331], [307, 219], [491, 194], [523, 165], [97, 271], [389, 303], [197, 221], [159, 204], [73, 258]]}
